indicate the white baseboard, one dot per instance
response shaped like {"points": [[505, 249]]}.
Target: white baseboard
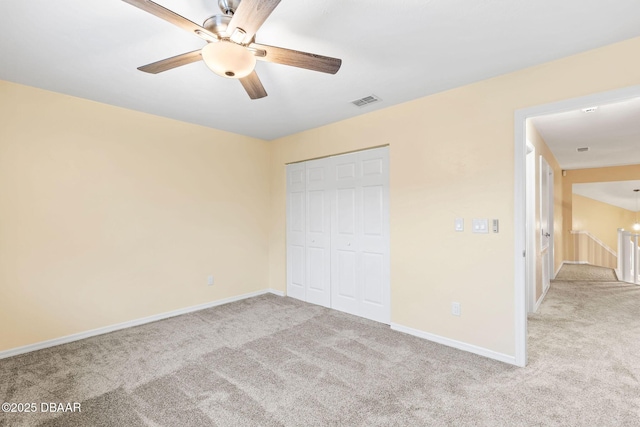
{"points": [[481, 351], [276, 292], [544, 294], [137, 322], [559, 268]]}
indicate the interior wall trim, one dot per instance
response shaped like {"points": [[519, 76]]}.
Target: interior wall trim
{"points": [[136, 322], [539, 302], [481, 351], [341, 153], [559, 268]]}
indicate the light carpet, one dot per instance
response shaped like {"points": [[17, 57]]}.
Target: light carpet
{"points": [[274, 361], [586, 272]]}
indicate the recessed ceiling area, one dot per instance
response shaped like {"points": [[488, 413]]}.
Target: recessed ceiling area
{"points": [[616, 193], [399, 50], [611, 133]]}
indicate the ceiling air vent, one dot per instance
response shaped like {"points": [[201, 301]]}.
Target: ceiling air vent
{"points": [[583, 149], [365, 101]]}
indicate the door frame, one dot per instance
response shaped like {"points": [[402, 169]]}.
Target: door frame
{"points": [[530, 202], [552, 230], [520, 224]]}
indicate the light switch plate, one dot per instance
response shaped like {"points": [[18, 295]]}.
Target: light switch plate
{"points": [[459, 224], [480, 225], [455, 308]]}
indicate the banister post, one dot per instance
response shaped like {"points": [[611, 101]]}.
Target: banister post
{"points": [[619, 270]]}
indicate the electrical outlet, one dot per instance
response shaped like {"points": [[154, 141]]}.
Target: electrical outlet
{"points": [[210, 280], [455, 308]]}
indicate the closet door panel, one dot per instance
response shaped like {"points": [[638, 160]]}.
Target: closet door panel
{"points": [[318, 233], [345, 205], [316, 267], [297, 267], [316, 216], [374, 236], [296, 231], [373, 284], [372, 211], [345, 262], [345, 280]]}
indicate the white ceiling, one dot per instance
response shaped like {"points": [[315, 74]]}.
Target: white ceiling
{"points": [[617, 193], [398, 50], [612, 134]]}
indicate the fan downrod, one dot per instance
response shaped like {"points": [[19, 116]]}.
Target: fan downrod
{"points": [[228, 7]]}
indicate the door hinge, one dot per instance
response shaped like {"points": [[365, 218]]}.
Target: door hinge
{"points": [[524, 253]]}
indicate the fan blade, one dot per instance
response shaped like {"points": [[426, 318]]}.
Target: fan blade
{"points": [[173, 18], [295, 58], [173, 62], [253, 86], [249, 17]]}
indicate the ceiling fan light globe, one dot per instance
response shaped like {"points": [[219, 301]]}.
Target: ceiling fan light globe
{"points": [[636, 226], [228, 59]]}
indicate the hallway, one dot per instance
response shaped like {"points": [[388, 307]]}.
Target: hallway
{"points": [[584, 272]]}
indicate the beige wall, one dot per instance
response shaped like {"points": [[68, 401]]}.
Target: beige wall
{"points": [[591, 251], [601, 220], [452, 155], [543, 150], [577, 176], [109, 215]]}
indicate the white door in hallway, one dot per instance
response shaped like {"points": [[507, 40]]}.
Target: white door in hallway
{"points": [[546, 222]]}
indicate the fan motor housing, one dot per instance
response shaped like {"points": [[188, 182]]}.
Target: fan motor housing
{"points": [[218, 24]]}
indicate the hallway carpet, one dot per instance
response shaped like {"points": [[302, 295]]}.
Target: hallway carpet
{"points": [[274, 361], [586, 272]]}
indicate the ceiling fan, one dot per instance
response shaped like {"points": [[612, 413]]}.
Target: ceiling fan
{"points": [[231, 50]]}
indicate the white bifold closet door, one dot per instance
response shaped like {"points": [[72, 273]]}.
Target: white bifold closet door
{"points": [[338, 233], [318, 234]]}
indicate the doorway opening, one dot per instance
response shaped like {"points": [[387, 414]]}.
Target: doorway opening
{"points": [[523, 271]]}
